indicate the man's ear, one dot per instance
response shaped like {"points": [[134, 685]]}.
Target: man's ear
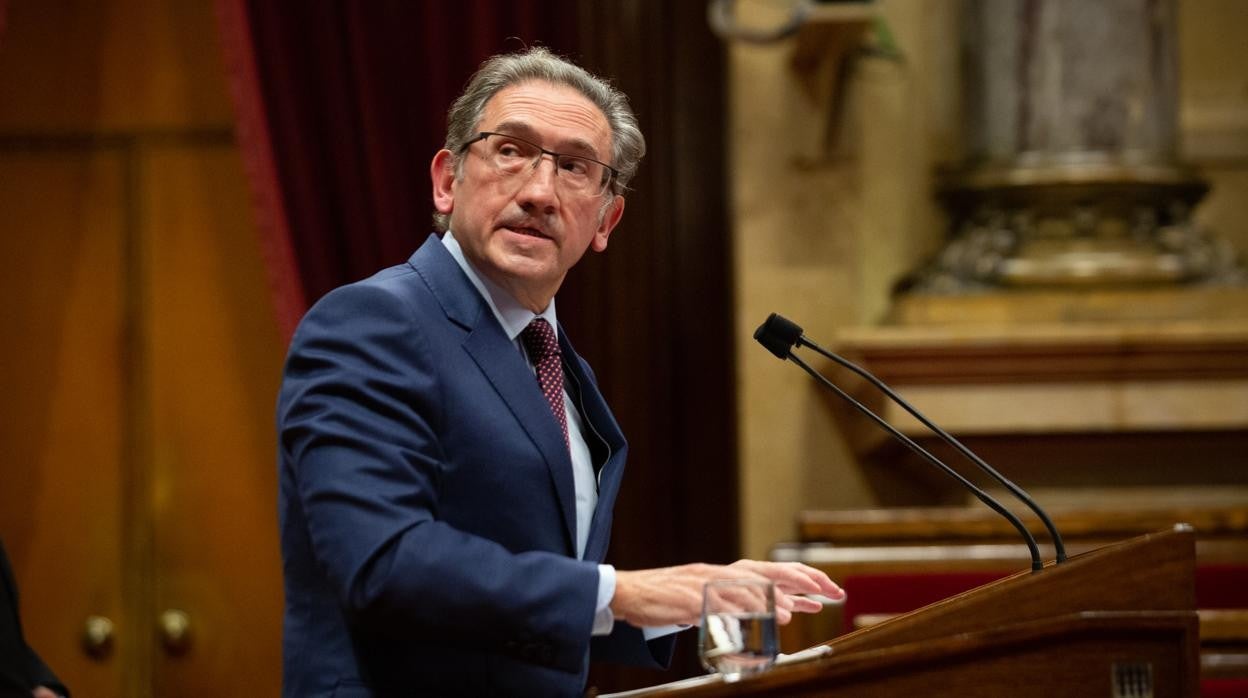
{"points": [[610, 218], [442, 174]]}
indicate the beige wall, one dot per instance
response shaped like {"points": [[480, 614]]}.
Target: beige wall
{"points": [[1213, 61], [822, 239]]}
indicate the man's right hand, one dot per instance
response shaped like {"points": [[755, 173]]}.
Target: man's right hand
{"points": [[673, 595]]}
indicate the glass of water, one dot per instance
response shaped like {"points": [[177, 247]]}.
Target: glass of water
{"points": [[738, 633]]}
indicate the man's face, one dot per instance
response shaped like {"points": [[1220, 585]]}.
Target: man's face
{"points": [[525, 231]]}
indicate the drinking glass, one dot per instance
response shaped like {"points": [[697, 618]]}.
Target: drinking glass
{"points": [[738, 632]]}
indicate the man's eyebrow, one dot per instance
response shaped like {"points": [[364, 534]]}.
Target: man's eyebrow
{"points": [[572, 146]]}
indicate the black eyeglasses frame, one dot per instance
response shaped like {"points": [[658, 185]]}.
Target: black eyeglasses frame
{"points": [[482, 135]]}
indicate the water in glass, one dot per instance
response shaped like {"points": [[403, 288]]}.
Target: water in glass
{"points": [[738, 633]]}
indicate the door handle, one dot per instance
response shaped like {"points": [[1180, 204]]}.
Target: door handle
{"points": [[97, 636], [175, 631]]}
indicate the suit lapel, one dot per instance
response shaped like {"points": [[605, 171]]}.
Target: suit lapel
{"points": [[511, 377], [504, 367]]}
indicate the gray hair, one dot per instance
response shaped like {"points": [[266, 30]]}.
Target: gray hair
{"points": [[628, 146]]}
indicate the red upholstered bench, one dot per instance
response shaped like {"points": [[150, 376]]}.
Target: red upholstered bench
{"points": [[875, 594]]}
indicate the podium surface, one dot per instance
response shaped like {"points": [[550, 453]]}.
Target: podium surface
{"points": [[1118, 621]]}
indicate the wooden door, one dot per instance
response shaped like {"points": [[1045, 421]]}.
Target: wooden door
{"points": [[62, 403], [140, 359], [215, 363]]}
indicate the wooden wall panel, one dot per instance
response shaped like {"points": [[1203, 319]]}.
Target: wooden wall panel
{"points": [[83, 65], [141, 359], [215, 361], [62, 401]]}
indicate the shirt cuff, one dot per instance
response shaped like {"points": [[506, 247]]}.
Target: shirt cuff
{"points": [[662, 631], [604, 619]]}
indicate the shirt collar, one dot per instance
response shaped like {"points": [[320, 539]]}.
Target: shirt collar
{"points": [[510, 314]]}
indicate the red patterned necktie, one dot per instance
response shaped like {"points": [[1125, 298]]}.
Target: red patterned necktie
{"points": [[543, 348]]}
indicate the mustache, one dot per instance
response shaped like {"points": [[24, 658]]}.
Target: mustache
{"points": [[525, 220]]}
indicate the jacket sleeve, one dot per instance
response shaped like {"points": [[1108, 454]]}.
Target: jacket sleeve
{"points": [[43, 676], [359, 418], [627, 645], [20, 668]]}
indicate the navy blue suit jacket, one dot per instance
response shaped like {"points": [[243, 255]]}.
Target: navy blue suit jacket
{"points": [[426, 500]]}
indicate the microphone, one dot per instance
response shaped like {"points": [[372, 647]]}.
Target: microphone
{"points": [[779, 335]]}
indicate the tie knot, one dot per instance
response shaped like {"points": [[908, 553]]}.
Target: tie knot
{"points": [[539, 340]]}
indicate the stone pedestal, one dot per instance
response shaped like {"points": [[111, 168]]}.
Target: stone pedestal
{"points": [[1079, 330], [1071, 175]]}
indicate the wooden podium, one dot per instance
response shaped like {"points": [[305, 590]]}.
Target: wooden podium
{"points": [[1117, 622]]}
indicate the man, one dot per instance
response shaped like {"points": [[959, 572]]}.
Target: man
{"points": [[22, 673], [448, 465]]}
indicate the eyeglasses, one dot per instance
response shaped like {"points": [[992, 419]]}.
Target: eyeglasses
{"points": [[512, 154]]}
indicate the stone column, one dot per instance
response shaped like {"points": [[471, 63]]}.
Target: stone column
{"points": [[1072, 175]]}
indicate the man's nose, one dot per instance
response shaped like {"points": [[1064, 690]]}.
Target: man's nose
{"points": [[538, 187]]}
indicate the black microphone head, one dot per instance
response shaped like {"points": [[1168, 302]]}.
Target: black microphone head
{"points": [[778, 334]]}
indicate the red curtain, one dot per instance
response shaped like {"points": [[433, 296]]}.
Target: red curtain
{"points": [[341, 105]]}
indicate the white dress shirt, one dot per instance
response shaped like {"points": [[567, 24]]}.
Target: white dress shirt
{"points": [[514, 318]]}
